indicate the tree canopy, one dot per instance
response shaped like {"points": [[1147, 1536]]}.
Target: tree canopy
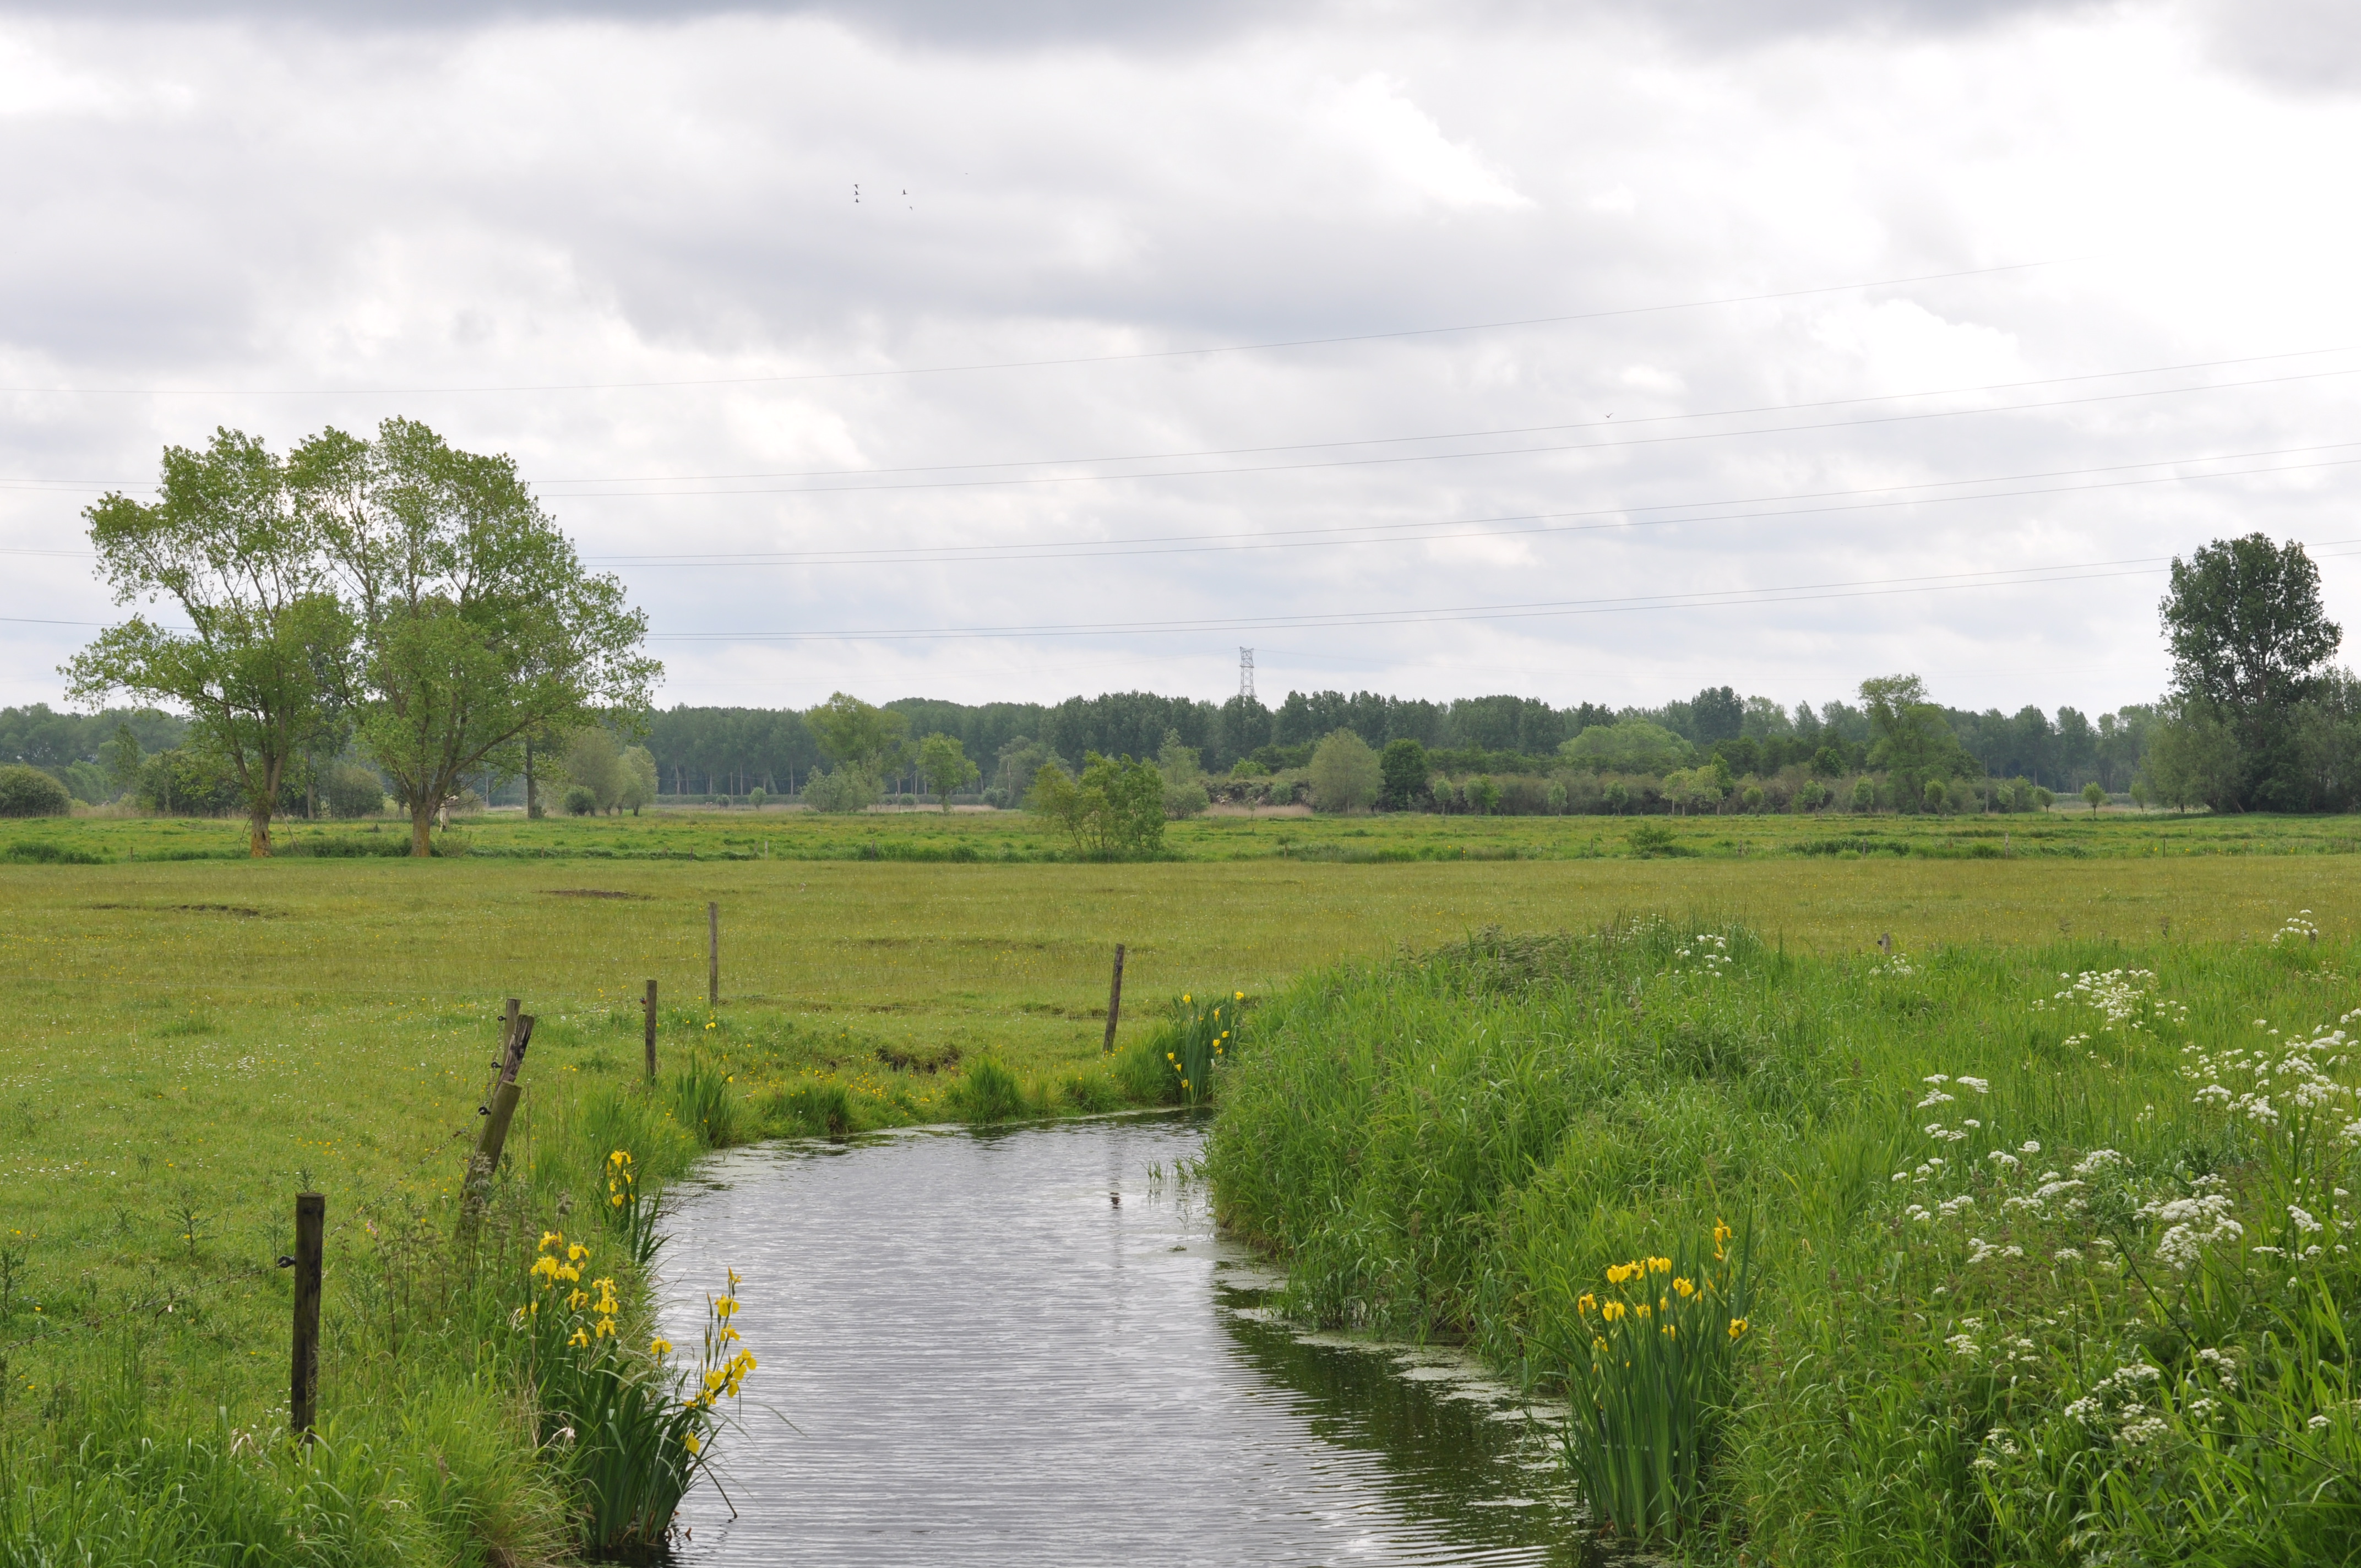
{"points": [[2248, 636], [478, 624], [232, 543]]}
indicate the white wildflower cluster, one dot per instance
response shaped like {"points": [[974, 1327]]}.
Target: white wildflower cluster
{"points": [[2192, 1224], [2223, 1365], [1897, 966], [1708, 955], [1936, 1096], [2003, 1349], [1997, 1445], [2124, 1406], [2298, 929], [2281, 1078], [2121, 996]]}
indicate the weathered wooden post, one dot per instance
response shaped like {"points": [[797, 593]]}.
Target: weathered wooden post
{"points": [[501, 1063], [497, 1112], [303, 1382], [652, 1031], [712, 957], [1115, 1001]]}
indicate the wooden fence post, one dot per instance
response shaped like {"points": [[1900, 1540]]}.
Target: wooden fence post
{"points": [[303, 1382], [498, 1113], [652, 1031], [712, 957], [500, 1068], [1115, 1001]]}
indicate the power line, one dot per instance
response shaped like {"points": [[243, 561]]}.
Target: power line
{"points": [[1429, 530], [48, 486], [1025, 363], [1711, 599], [1702, 599], [1434, 531], [41, 487]]}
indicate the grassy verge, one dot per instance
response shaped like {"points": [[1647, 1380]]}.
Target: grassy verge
{"points": [[2047, 1246]]}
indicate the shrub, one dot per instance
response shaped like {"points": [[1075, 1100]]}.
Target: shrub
{"points": [[1114, 812], [352, 790], [846, 790], [581, 800], [29, 792], [1345, 775], [1652, 838]]}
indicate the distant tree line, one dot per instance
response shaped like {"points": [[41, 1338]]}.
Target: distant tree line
{"points": [[2256, 720], [729, 751]]}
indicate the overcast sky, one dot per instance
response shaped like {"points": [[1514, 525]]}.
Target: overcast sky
{"points": [[1586, 352]]}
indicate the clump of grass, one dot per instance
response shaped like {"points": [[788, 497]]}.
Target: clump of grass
{"points": [[1089, 1092], [704, 1103], [988, 1091], [812, 1108]]}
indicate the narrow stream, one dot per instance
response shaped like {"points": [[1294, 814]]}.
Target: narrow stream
{"points": [[1026, 1347]]}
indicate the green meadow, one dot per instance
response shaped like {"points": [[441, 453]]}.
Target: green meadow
{"points": [[925, 835], [197, 1036]]}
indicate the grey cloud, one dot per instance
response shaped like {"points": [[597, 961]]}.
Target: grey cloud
{"points": [[2310, 44], [958, 23]]}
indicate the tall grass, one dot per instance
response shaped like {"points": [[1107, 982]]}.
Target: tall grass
{"points": [[2052, 1258]]}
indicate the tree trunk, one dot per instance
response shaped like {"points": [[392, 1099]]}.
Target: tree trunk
{"points": [[531, 795], [257, 834], [421, 826]]}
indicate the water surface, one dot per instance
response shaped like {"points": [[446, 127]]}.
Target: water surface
{"points": [[1022, 1347]]}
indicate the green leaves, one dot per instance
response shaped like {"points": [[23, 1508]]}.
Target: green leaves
{"points": [[943, 760], [419, 585], [1114, 812], [269, 650], [478, 622]]}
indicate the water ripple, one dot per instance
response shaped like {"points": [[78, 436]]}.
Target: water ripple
{"points": [[1018, 1348]]}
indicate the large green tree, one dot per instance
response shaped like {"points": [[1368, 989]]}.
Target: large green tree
{"points": [[229, 541], [2248, 636], [1345, 775], [944, 763], [858, 736], [478, 623], [1914, 743]]}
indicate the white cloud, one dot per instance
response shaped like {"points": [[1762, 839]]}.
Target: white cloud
{"points": [[233, 206]]}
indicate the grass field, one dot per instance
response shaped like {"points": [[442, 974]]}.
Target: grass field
{"points": [[194, 1039], [993, 836]]}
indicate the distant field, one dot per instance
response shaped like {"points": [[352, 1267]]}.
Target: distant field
{"points": [[745, 834]]}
